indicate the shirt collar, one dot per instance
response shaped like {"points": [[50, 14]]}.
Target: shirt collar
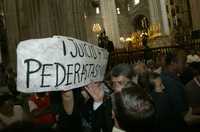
{"points": [[117, 130]]}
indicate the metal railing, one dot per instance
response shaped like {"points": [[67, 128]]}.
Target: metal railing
{"points": [[124, 56]]}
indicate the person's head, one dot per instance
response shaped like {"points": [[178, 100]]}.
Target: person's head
{"points": [[151, 81], [195, 68], [140, 68], [175, 62], [133, 108], [6, 104], [41, 94], [120, 75]]}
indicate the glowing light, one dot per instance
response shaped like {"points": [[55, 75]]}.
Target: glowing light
{"points": [[97, 10], [118, 11], [136, 2], [122, 39], [128, 39], [96, 28]]}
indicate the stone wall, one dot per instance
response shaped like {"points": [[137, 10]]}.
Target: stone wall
{"points": [[91, 18], [141, 9], [124, 19], [26, 19]]}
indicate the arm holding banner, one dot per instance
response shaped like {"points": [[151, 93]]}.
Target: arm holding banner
{"points": [[69, 118], [102, 108], [68, 101], [97, 93]]}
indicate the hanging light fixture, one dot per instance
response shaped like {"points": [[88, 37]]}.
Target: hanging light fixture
{"points": [[96, 28], [97, 10]]}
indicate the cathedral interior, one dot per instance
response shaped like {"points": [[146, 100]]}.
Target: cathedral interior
{"points": [[138, 37], [122, 20]]}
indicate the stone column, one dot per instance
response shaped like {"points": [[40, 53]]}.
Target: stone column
{"points": [[154, 11], [158, 14], [165, 23], [109, 15], [194, 6]]}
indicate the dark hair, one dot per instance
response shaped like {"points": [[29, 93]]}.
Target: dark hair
{"points": [[195, 68], [41, 94], [122, 70], [134, 109], [4, 98]]}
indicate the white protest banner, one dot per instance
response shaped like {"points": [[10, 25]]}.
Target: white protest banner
{"points": [[58, 63]]}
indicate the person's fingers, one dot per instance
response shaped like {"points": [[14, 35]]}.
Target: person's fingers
{"points": [[89, 90], [67, 93], [94, 89], [92, 84]]}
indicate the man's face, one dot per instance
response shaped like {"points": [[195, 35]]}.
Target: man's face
{"points": [[118, 83]]}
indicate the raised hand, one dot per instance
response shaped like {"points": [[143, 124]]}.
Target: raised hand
{"points": [[96, 91]]}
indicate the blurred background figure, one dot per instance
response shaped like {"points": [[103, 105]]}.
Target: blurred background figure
{"points": [[9, 111], [192, 91], [40, 108]]}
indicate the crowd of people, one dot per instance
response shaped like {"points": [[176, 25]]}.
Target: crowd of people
{"points": [[164, 96]]}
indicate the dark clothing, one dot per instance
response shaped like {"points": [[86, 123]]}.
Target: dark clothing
{"points": [[148, 55], [164, 115], [147, 51], [162, 105], [192, 90], [70, 123], [83, 118], [187, 75], [107, 44], [110, 46], [12, 86], [100, 119], [174, 90]]}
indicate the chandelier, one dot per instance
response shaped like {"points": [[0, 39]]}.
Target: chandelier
{"points": [[96, 28]]}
